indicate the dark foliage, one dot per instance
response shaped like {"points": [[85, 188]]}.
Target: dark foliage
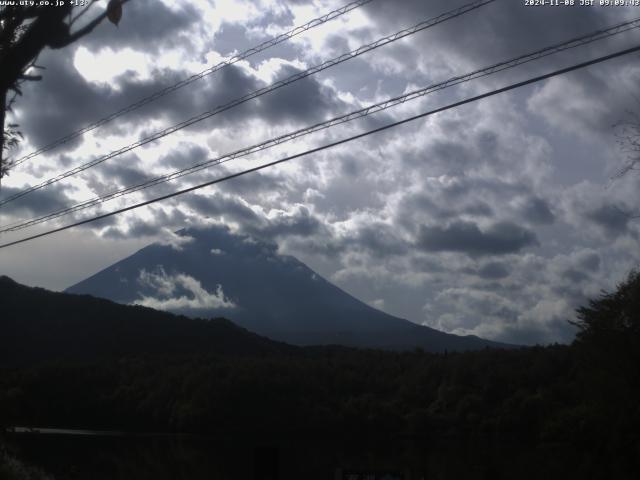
{"points": [[27, 28], [38, 325], [613, 316], [543, 398]]}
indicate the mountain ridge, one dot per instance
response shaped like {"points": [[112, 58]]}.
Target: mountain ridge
{"points": [[212, 272], [38, 325]]}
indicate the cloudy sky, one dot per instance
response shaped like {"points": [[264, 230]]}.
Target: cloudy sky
{"points": [[496, 219]]}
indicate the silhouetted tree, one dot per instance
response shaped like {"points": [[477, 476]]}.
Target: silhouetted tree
{"points": [[26, 30], [628, 139], [614, 315]]}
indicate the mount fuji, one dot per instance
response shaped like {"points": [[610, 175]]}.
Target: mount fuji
{"points": [[215, 273]]}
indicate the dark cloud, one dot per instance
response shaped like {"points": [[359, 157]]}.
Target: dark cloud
{"points": [[105, 224], [325, 248], [457, 156], [422, 204], [232, 38], [228, 84], [609, 218], [589, 261], [482, 33], [135, 229], [349, 167], [123, 171], [493, 271], [61, 103], [64, 102], [312, 100], [38, 202], [184, 157], [575, 276], [138, 227], [537, 210], [124, 174], [205, 95], [464, 185], [379, 239], [146, 25], [217, 206], [300, 224], [504, 30], [479, 209], [451, 155], [460, 236], [257, 186]]}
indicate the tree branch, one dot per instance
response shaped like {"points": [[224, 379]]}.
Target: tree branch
{"points": [[3, 104], [31, 78], [72, 37]]}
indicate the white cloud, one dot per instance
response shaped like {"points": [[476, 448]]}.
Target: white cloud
{"points": [[579, 113], [377, 303], [165, 285], [173, 240], [103, 66]]}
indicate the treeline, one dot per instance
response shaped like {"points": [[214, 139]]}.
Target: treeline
{"points": [[323, 388], [536, 394], [585, 395]]}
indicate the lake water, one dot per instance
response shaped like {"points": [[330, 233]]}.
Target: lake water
{"points": [[85, 454]]}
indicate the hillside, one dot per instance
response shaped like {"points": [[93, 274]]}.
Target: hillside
{"points": [[39, 325], [540, 412]]}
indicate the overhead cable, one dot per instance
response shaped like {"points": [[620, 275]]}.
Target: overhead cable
{"points": [[363, 112], [330, 145], [255, 94], [193, 78]]}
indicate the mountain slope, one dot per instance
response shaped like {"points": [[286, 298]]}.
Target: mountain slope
{"points": [[217, 273], [39, 325]]}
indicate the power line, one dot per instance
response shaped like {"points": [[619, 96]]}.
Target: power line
{"points": [[255, 94], [188, 81], [333, 144], [375, 108]]}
